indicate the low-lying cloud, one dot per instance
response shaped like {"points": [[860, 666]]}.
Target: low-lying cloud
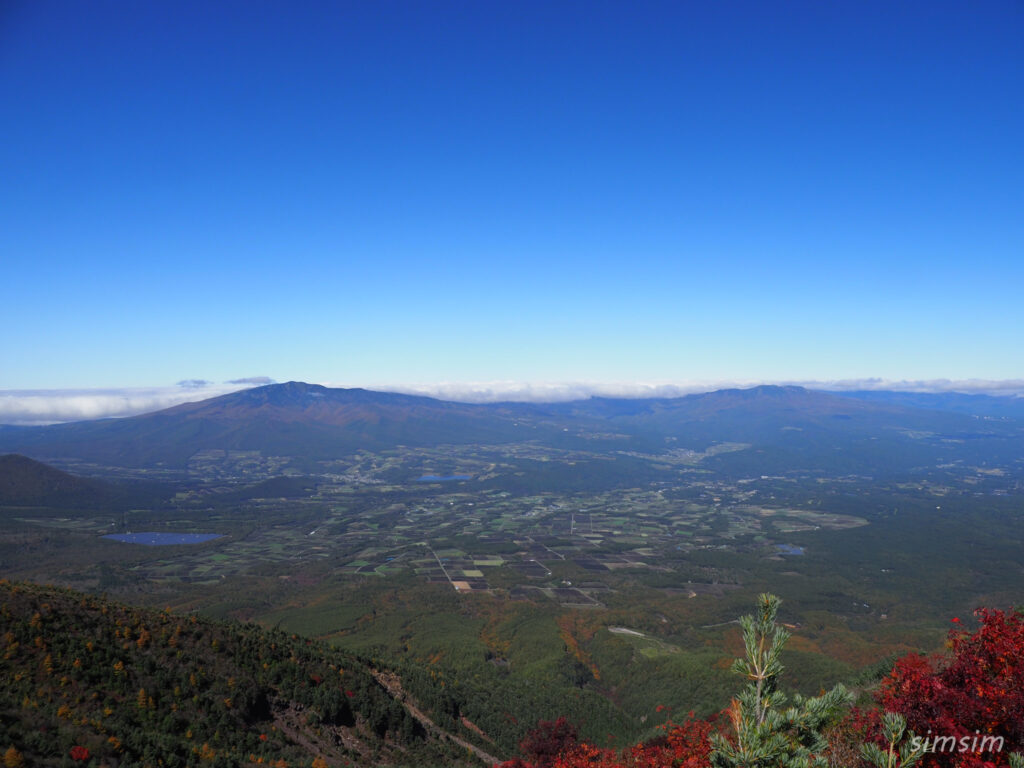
{"points": [[31, 407], [997, 387], [34, 407], [511, 391], [558, 392]]}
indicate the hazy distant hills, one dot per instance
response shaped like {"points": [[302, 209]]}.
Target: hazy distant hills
{"points": [[954, 402], [727, 409], [773, 415], [791, 427], [786, 427]]}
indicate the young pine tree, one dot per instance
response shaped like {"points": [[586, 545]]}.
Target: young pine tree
{"points": [[767, 735], [901, 750]]}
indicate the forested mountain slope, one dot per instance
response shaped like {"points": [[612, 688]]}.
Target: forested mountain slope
{"points": [[85, 676]]}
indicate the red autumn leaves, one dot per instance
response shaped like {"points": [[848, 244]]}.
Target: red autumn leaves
{"points": [[79, 754], [977, 689], [554, 745]]}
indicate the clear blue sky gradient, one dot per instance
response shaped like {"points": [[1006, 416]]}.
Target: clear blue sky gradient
{"points": [[388, 192]]}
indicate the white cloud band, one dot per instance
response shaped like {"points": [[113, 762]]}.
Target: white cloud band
{"points": [[31, 407], [512, 391], [49, 406]]}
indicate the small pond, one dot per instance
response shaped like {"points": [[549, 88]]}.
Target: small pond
{"points": [[151, 539]]}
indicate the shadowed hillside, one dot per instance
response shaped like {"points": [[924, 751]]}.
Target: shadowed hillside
{"points": [[24, 481]]}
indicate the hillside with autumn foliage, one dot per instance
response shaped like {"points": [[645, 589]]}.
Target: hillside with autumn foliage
{"points": [[963, 708], [90, 682]]}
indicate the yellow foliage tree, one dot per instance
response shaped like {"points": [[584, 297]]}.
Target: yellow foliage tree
{"points": [[13, 758]]}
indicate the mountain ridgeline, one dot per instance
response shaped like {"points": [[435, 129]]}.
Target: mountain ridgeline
{"points": [[786, 427]]}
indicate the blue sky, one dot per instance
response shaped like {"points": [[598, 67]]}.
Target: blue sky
{"points": [[403, 194]]}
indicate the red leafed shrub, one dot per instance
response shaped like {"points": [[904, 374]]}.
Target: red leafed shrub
{"points": [[976, 691], [547, 741], [845, 738], [79, 754], [683, 745]]}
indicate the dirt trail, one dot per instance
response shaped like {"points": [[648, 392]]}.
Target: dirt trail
{"points": [[393, 684]]}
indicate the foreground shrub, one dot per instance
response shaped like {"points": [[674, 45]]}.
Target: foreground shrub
{"points": [[968, 705]]}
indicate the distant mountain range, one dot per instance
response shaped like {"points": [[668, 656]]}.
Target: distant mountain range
{"points": [[788, 426], [1006, 407]]}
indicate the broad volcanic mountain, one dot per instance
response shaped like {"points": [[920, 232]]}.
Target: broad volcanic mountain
{"points": [[293, 419]]}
